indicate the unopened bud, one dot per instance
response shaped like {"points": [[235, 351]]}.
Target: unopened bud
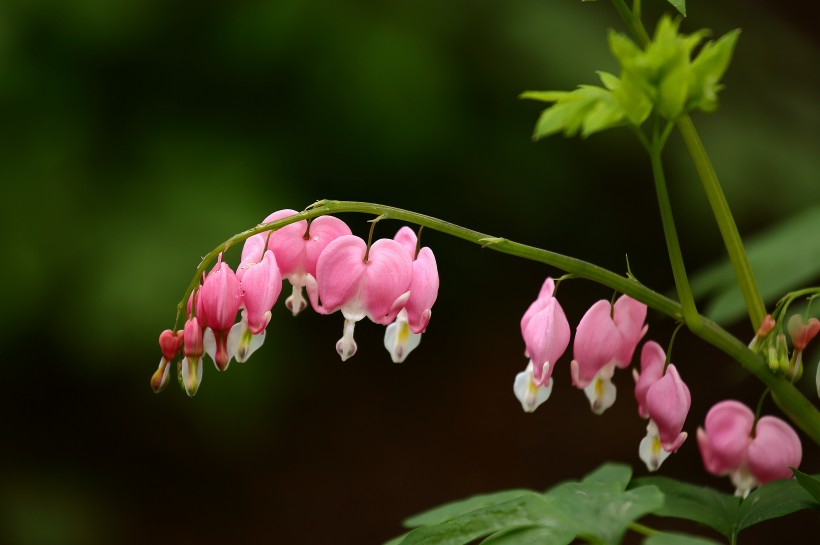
{"points": [[782, 354], [766, 327], [170, 342]]}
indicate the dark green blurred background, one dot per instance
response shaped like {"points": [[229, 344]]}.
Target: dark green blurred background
{"points": [[138, 134]]}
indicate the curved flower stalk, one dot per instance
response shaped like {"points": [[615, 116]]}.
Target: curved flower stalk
{"points": [[750, 454], [404, 334], [361, 282], [606, 339]]}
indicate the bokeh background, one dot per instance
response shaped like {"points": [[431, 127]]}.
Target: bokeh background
{"points": [[138, 134]]}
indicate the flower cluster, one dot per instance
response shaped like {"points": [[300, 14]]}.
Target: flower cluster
{"points": [[392, 281], [605, 340], [770, 341], [750, 452]]}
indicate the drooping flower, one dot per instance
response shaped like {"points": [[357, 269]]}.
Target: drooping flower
{"points": [[731, 444], [191, 364], [217, 303], [360, 282], [606, 338], [404, 334], [546, 333], [170, 343], [261, 284], [297, 247], [665, 400]]}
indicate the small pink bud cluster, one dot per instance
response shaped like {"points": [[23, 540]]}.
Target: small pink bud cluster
{"points": [[750, 453], [391, 282], [605, 340], [771, 343]]}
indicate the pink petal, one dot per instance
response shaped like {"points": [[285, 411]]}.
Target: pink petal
{"points": [[339, 272], [668, 402], [408, 239], [775, 447], [629, 316], [727, 428], [323, 231], [546, 336], [219, 298], [423, 290], [387, 277], [652, 362], [540, 302], [261, 287], [288, 243], [597, 340]]}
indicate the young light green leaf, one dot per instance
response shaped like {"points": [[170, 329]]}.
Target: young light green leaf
{"points": [[674, 87], [529, 510], [697, 503], [543, 96], [679, 5], [396, 540], [775, 499], [811, 484], [669, 538], [603, 511], [707, 70], [610, 81], [624, 49], [448, 511], [572, 112], [610, 473], [632, 96], [531, 535], [783, 258]]}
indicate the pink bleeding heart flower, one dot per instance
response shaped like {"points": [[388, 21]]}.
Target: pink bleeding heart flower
{"points": [[191, 365], [217, 303], [261, 284], [297, 247], [668, 402], [802, 333], [404, 334], [360, 282], [170, 343], [546, 333], [606, 338], [653, 359], [728, 447]]}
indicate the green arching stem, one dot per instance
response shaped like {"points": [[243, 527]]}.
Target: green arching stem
{"points": [[711, 186], [690, 311], [790, 400]]}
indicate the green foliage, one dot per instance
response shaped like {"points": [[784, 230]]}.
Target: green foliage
{"points": [[782, 258], [679, 5], [811, 484], [726, 514], [600, 509], [662, 77]]}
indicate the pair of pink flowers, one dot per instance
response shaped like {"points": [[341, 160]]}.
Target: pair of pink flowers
{"points": [[390, 281], [750, 453], [605, 339]]}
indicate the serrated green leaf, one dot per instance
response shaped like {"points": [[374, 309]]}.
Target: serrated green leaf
{"points": [[529, 510], [569, 114], [623, 48], [543, 96], [610, 473], [697, 503], [674, 87], [775, 499], [707, 70], [603, 511], [530, 535], [610, 81], [679, 5], [775, 263], [809, 483], [632, 96], [669, 538], [454, 509], [606, 114]]}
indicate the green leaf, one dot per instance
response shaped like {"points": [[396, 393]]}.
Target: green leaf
{"points": [[610, 81], [454, 509], [697, 503], [707, 70], [679, 5], [811, 484], [396, 540], [577, 109], [668, 538], [602, 510], [529, 510], [674, 87], [610, 473], [623, 48], [530, 535], [775, 499], [776, 263], [543, 96]]}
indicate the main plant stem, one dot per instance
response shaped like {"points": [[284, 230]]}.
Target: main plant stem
{"points": [[711, 186], [790, 400]]}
